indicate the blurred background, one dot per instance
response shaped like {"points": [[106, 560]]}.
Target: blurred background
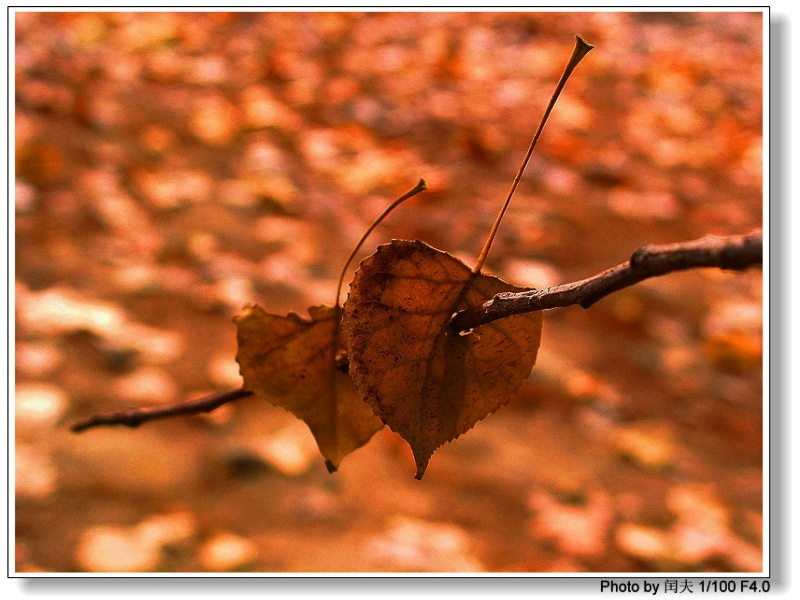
{"points": [[173, 167]]}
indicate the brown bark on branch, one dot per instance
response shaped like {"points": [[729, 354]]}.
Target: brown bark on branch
{"points": [[133, 417], [736, 252]]}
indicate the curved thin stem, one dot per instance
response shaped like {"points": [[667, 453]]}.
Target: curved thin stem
{"points": [[421, 186]]}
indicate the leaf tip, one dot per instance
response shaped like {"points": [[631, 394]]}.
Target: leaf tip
{"points": [[422, 465], [332, 468]]}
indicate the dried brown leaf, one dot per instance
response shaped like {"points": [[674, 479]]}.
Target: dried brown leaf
{"points": [[427, 382], [290, 361]]}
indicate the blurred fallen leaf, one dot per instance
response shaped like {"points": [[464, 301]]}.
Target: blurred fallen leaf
{"points": [[227, 552]]}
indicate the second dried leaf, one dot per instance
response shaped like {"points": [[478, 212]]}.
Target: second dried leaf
{"points": [[290, 361]]}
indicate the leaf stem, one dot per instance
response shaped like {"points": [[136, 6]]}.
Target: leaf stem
{"points": [[421, 186], [581, 49]]}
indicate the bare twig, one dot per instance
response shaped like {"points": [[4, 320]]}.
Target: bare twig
{"points": [[735, 252], [133, 417]]}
